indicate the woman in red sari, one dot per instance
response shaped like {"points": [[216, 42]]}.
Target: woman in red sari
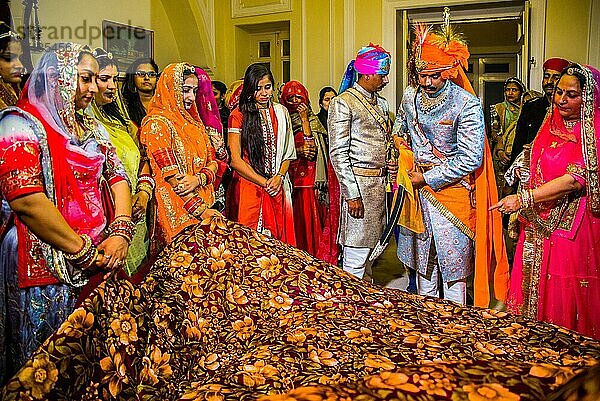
{"points": [[54, 162], [261, 142], [556, 276], [308, 173]]}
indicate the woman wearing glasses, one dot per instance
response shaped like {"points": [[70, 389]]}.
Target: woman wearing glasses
{"points": [[140, 83]]}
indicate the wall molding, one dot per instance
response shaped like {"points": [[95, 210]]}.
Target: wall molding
{"points": [[304, 44], [331, 40], [349, 30], [207, 15], [239, 8]]}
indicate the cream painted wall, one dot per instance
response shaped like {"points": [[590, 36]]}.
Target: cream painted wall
{"points": [[164, 50], [567, 29], [368, 24]]}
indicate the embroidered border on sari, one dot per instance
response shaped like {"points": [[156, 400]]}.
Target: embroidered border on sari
{"points": [[533, 253]]}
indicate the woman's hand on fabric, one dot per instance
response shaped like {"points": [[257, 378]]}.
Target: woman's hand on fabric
{"points": [[507, 205], [308, 150], [274, 184], [114, 249], [186, 184], [139, 205]]}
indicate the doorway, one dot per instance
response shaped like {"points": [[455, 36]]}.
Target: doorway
{"points": [[267, 43]]}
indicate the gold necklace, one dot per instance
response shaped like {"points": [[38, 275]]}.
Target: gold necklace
{"points": [[569, 124], [430, 103]]}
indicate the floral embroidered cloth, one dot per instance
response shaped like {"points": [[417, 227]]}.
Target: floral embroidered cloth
{"points": [[228, 314]]}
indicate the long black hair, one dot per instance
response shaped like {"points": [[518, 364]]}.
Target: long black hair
{"points": [[104, 60], [253, 142], [136, 109]]}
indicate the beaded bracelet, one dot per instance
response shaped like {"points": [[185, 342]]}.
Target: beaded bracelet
{"points": [[144, 187], [202, 179], [146, 179], [526, 198], [87, 243]]}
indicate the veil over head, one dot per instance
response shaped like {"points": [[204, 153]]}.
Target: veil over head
{"points": [[52, 86], [590, 130], [293, 88], [206, 103]]}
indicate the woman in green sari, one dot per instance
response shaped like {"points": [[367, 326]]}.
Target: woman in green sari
{"points": [[108, 108]]}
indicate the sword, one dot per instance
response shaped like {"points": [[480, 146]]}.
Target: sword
{"points": [[397, 203]]}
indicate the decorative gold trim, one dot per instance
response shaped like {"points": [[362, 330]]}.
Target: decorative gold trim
{"points": [[383, 121], [533, 253], [588, 143], [448, 214]]}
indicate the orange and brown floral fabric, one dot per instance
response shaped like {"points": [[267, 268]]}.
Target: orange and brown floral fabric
{"points": [[228, 314]]}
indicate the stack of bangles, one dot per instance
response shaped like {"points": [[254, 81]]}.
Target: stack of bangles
{"points": [[122, 226], [206, 176], [85, 256], [146, 184], [195, 206], [525, 198]]}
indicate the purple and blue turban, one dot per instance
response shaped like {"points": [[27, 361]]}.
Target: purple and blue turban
{"points": [[372, 59]]}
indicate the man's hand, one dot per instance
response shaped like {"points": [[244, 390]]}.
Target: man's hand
{"points": [[417, 179], [356, 208], [399, 142]]}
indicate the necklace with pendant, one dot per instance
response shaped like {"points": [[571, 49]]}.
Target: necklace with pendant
{"points": [[569, 124]]}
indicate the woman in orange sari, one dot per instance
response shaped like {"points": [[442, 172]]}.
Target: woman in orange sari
{"points": [[181, 155]]}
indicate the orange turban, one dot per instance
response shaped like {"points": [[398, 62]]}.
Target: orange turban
{"points": [[444, 52]]}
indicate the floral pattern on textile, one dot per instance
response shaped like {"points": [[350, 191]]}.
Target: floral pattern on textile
{"points": [[226, 313]]}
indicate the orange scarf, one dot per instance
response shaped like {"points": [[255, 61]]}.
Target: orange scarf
{"points": [[176, 143]]}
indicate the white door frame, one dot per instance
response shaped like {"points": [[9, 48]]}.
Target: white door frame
{"points": [[390, 10]]}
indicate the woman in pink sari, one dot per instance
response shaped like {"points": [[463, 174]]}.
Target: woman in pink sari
{"points": [[556, 276]]}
